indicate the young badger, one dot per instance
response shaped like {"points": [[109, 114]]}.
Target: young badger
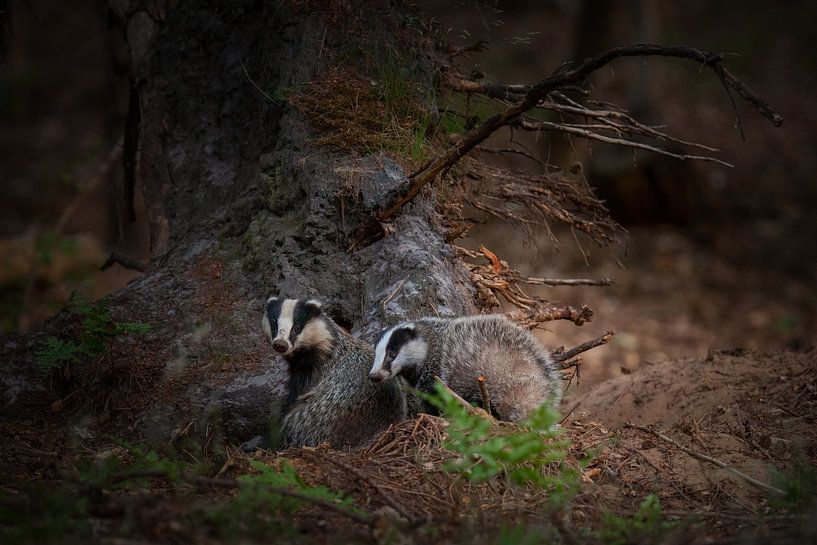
{"points": [[329, 397], [519, 373]]}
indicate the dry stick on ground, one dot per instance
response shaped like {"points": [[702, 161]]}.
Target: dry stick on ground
{"points": [[476, 411], [233, 483], [705, 458], [559, 80], [584, 347], [365, 478]]}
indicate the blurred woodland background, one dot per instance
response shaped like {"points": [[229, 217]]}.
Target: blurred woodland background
{"points": [[713, 256]]}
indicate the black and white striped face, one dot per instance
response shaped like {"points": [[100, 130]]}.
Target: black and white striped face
{"points": [[292, 324], [398, 349]]}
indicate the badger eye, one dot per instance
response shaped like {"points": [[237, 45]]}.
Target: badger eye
{"points": [[391, 354]]}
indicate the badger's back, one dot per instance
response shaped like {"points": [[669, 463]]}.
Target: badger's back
{"points": [[518, 371], [345, 408]]}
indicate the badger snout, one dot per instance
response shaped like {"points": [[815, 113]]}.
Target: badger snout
{"points": [[280, 345], [378, 376]]}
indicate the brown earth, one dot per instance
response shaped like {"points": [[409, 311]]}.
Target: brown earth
{"points": [[754, 412]]}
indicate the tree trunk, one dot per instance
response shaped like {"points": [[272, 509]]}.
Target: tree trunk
{"points": [[242, 204]]}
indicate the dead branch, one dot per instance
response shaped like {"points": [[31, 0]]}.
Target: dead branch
{"points": [[560, 79], [491, 89], [705, 458], [535, 317], [559, 357], [496, 278], [617, 119], [476, 411], [566, 281], [528, 199], [590, 135]]}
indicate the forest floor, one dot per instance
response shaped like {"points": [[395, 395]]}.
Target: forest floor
{"points": [[751, 412], [719, 411]]}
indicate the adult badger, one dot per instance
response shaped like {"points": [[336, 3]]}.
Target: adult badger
{"points": [[329, 396], [519, 373]]}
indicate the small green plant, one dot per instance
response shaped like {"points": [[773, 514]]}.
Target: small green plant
{"points": [[44, 515], [798, 483], [531, 453], [257, 508], [97, 330], [647, 521], [257, 489]]}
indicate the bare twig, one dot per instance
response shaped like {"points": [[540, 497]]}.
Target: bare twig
{"points": [[623, 121], [483, 390], [559, 80], [362, 476], [394, 292], [476, 411], [584, 347], [590, 135], [705, 458], [258, 87], [566, 281], [491, 89]]}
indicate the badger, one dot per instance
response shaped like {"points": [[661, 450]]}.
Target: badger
{"points": [[519, 373], [329, 395]]}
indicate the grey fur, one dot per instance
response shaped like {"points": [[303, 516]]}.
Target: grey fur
{"points": [[343, 408], [519, 372]]}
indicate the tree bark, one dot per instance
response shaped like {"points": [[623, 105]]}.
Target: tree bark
{"points": [[242, 204]]}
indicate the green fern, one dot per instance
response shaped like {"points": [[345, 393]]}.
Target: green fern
{"points": [[522, 453], [55, 353], [97, 330]]}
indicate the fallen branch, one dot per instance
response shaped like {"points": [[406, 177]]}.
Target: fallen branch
{"points": [[560, 79], [476, 411], [705, 458], [559, 357]]}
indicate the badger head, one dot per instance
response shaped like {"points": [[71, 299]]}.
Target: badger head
{"points": [[400, 349], [294, 324]]}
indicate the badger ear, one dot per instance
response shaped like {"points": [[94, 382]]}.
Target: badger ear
{"points": [[272, 299], [313, 308]]}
